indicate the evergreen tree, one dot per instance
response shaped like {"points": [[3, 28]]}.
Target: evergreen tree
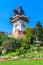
{"points": [[38, 31]]}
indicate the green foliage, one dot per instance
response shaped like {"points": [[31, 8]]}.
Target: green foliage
{"points": [[11, 54], [29, 34], [38, 31], [28, 38], [26, 47]]}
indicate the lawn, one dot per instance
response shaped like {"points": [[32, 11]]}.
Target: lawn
{"points": [[23, 62]]}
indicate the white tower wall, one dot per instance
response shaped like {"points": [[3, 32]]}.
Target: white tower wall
{"points": [[19, 25]]}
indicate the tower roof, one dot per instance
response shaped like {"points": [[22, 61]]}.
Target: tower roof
{"points": [[19, 15], [19, 11]]}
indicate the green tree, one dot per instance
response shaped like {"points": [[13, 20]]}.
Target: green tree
{"points": [[27, 39], [29, 34], [38, 31]]}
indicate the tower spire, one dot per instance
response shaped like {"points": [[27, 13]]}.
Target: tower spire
{"points": [[19, 11]]}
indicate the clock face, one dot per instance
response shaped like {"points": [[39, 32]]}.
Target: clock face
{"points": [[23, 24], [17, 26]]}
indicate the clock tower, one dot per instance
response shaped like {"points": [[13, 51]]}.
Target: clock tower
{"points": [[19, 21]]}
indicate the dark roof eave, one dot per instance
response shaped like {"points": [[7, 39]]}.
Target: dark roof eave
{"points": [[14, 19]]}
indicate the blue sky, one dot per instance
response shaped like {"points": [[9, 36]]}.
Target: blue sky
{"points": [[32, 8]]}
